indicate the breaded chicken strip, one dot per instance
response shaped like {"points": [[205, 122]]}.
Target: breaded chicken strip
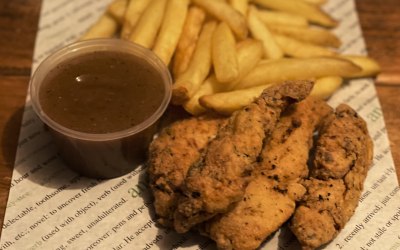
{"points": [[262, 210], [270, 197], [170, 155], [342, 159], [316, 220], [285, 156], [343, 137], [218, 179]]}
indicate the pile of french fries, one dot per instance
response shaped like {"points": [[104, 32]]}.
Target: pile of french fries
{"points": [[224, 53]]}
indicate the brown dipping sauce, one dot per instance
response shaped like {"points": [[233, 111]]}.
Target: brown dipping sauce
{"points": [[101, 92]]}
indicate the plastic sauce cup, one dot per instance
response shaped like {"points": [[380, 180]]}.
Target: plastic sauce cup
{"points": [[109, 154]]}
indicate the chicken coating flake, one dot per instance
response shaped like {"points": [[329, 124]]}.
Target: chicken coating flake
{"points": [[219, 178], [337, 153], [342, 159], [262, 210], [285, 156], [269, 199], [321, 211], [171, 154]]}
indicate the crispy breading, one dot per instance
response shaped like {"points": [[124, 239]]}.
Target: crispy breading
{"points": [[343, 156], [269, 198], [285, 155], [170, 156], [218, 179], [337, 152], [319, 216], [253, 218]]}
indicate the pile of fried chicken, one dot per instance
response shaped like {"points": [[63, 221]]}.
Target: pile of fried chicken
{"points": [[286, 157]]}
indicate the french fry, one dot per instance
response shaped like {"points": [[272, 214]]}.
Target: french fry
{"points": [[208, 87], [105, 27], [117, 10], [199, 67], [145, 31], [227, 102], [223, 54], [187, 41], [368, 65], [312, 12], [133, 12], [280, 70], [240, 5], [249, 53], [272, 18], [316, 36], [263, 61], [299, 49], [317, 2], [262, 33], [324, 87], [171, 29], [224, 12]]}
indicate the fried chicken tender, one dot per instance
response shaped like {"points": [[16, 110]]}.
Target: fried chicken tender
{"points": [[253, 218], [218, 179], [176, 148], [269, 199], [342, 159], [286, 154]]}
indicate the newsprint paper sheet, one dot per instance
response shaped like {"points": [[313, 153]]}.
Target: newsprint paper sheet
{"points": [[51, 207]]}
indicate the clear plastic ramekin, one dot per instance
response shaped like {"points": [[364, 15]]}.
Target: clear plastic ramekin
{"points": [[105, 155]]}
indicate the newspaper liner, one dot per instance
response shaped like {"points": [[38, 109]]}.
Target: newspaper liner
{"points": [[51, 207]]}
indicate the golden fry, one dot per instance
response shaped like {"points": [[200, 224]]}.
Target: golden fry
{"points": [[224, 12], [324, 87], [223, 53], [199, 67], [296, 48], [262, 33], [133, 13], [240, 5], [171, 29], [275, 71], [145, 31], [317, 2], [369, 67], [208, 87], [312, 12], [117, 10], [187, 41], [249, 53], [316, 36], [272, 18], [105, 27], [227, 102]]}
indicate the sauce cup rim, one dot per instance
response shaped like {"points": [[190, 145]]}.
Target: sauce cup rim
{"points": [[88, 46]]}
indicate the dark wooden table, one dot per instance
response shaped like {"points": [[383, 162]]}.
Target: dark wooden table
{"points": [[380, 21]]}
